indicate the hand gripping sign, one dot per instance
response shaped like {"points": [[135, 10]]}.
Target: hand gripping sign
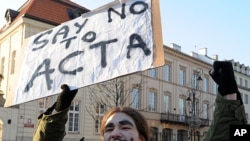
{"points": [[114, 40]]}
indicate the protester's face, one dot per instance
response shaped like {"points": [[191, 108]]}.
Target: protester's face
{"points": [[120, 126]]}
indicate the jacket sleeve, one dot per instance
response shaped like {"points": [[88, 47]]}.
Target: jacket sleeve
{"points": [[226, 113], [51, 127]]}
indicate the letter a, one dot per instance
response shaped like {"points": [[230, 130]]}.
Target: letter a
{"points": [[46, 72], [237, 132]]}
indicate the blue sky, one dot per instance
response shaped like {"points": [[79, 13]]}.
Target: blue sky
{"points": [[221, 26]]}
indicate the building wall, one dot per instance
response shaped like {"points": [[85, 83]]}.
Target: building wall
{"points": [[9, 122]]}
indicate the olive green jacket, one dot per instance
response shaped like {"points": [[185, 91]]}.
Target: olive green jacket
{"points": [[226, 113], [51, 127]]}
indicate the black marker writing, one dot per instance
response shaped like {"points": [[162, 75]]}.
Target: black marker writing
{"points": [[139, 44], [42, 42], [122, 15], [133, 9], [66, 60], [103, 50], [46, 72], [137, 7]]}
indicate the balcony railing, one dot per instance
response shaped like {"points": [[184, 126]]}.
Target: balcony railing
{"points": [[181, 119]]}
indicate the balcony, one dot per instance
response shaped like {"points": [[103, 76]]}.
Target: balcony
{"points": [[204, 122], [181, 119]]}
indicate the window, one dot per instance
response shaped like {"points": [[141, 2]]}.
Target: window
{"points": [[167, 134], [182, 135], [196, 107], [240, 82], [205, 111], [214, 88], [152, 102], [13, 62], [167, 72], [182, 77], [44, 104], [2, 65], [245, 98], [119, 92], [181, 106], [98, 120], [196, 81], [74, 113], [152, 73], [246, 83], [247, 71], [166, 104], [154, 134], [100, 110], [135, 98], [205, 84]]}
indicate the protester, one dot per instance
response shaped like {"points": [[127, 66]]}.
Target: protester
{"points": [[124, 123], [229, 108], [51, 124], [127, 124]]}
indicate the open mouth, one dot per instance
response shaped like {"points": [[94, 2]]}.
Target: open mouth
{"points": [[123, 139]]}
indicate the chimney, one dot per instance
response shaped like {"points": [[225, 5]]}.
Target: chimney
{"points": [[203, 51], [175, 47], [215, 57]]}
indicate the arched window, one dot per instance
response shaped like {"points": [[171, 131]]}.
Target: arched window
{"points": [[167, 134], [153, 132], [182, 135]]}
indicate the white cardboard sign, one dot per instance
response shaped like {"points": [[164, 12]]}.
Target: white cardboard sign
{"points": [[111, 41]]}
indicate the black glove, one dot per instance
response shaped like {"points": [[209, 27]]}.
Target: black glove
{"points": [[223, 74], [65, 98]]}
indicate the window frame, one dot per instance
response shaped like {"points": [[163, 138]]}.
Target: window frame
{"points": [[152, 96], [76, 117]]}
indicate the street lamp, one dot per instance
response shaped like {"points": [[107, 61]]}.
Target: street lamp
{"points": [[194, 121]]}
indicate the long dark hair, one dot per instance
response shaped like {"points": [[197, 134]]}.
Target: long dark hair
{"points": [[139, 120]]}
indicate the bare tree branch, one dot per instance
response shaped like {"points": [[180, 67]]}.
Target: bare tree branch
{"points": [[113, 93]]}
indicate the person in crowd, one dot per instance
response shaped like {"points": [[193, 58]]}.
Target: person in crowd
{"points": [[229, 108], [124, 124], [51, 124]]}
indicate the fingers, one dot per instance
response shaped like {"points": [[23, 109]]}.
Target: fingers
{"points": [[64, 86], [217, 67], [220, 67]]}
